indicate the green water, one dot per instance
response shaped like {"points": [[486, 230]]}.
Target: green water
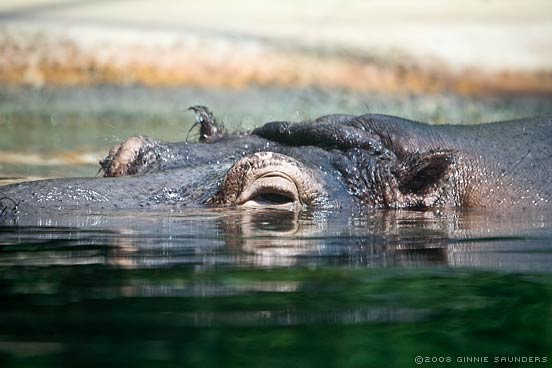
{"points": [[336, 317]]}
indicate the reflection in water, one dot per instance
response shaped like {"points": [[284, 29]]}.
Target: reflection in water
{"points": [[204, 238]]}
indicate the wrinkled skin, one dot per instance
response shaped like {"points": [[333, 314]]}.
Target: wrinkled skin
{"points": [[336, 161]]}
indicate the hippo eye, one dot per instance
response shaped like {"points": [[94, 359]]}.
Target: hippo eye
{"points": [[273, 198], [269, 179], [272, 189]]}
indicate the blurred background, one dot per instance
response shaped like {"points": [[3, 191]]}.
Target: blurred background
{"points": [[77, 77]]}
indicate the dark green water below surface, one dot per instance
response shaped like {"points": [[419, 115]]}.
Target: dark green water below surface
{"points": [[277, 289]]}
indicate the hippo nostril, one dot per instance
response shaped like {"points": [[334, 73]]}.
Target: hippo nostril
{"points": [[7, 203]]}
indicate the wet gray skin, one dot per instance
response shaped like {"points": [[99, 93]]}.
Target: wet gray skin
{"points": [[336, 161]]}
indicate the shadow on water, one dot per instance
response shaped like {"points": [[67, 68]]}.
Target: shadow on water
{"points": [[274, 288]]}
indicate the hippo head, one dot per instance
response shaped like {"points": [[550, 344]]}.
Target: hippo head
{"points": [[334, 161]]}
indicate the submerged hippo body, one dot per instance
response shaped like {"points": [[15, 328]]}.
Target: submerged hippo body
{"points": [[335, 161]]}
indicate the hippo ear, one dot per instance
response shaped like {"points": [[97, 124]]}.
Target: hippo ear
{"points": [[420, 173]]}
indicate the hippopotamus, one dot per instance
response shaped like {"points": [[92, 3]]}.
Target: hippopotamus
{"points": [[334, 161]]}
